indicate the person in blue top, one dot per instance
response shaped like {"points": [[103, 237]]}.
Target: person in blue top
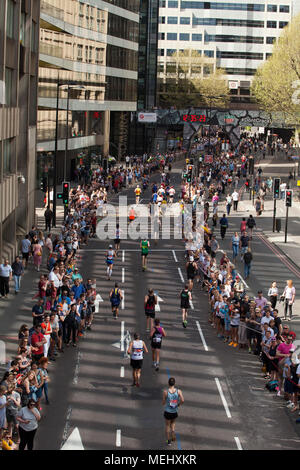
{"points": [[78, 289], [172, 399]]}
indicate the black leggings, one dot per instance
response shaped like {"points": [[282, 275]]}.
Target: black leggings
{"points": [[286, 307], [26, 439]]}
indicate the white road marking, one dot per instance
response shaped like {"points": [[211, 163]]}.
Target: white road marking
{"points": [[175, 257], [123, 275], [77, 368], [122, 335], [238, 443], [201, 336], [122, 372], [123, 256], [67, 425], [73, 442], [223, 398], [118, 438], [159, 299], [180, 274], [123, 300], [192, 305]]}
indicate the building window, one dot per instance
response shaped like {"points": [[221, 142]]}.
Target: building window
{"points": [[162, 20], [196, 37], [272, 8], [22, 28], [184, 37], [10, 14], [171, 52], [185, 20], [173, 4], [7, 155], [270, 40], [9, 87], [161, 36], [79, 53], [284, 9], [34, 36], [161, 52], [283, 24], [162, 3], [209, 53], [172, 20], [172, 36], [271, 24]]}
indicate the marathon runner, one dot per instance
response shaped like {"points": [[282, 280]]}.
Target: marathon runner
{"points": [[191, 271], [110, 255], [136, 350], [149, 305], [185, 298], [172, 399], [117, 239], [145, 245], [156, 336], [137, 194], [115, 297]]}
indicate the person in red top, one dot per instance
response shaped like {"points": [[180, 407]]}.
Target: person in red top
{"points": [[243, 225], [37, 342], [46, 325]]}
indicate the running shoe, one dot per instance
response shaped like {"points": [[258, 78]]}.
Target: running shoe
{"points": [[235, 345], [169, 442], [157, 367], [185, 324]]}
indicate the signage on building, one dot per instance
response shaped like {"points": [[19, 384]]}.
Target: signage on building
{"points": [[233, 85], [147, 117], [229, 119], [194, 118]]}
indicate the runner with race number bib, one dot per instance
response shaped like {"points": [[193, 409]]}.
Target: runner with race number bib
{"points": [[172, 399], [110, 255], [115, 297], [156, 336], [145, 245], [136, 350]]}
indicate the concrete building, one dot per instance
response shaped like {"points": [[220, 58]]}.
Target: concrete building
{"points": [[19, 39], [239, 35], [92, 46]]}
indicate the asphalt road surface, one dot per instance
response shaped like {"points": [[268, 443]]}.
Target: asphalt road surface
{"points": [[226, 405]]}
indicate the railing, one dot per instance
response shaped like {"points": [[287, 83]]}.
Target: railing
{"points": [[49, 49]]}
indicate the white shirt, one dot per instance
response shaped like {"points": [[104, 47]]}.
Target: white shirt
{"points": [[53, 277], [289, 292], [235, 196]]}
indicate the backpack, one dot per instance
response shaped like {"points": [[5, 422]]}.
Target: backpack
{"points": [[272, 385]]}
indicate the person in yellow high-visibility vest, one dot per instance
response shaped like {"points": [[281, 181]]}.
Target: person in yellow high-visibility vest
{"points": [[137, 194]]}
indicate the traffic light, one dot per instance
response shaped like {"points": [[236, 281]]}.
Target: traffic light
{"points": [[65, 193], [288, 198], [190, 174], [44, 185], [277, 188]]}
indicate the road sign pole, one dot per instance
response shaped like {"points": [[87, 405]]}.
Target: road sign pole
{"points": [[286, 224], [274, 215]]}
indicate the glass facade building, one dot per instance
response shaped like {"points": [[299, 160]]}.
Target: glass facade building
{"points": [[89, 55], [141, 135], [239, 35], [19, 33]]}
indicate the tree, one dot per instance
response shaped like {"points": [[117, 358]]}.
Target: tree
{"points": [[276, 81], [193, 80]]}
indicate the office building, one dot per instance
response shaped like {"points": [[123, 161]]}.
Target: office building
{"points": [[89, 55], [238, 35], [19, 34], [141, 135]]}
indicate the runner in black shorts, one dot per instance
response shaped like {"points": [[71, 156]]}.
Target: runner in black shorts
{"points": [[156, 336], [149, 304], [172, 399]]}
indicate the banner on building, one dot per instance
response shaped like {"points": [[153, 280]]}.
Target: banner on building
{"points": [[147, 117]]}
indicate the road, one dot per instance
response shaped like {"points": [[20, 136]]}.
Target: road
{"points": [[226, 406]]}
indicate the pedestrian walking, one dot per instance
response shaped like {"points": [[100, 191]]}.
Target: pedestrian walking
{"points": [[273, 294], [288, 297], [26, 250], [228, 204], [37, 251], [172, 399], [235, 198], [17, 271], [235, 242], [251, 224], [247, 263], [223, 226], [136, 350], [48, 214], [5, 278]]}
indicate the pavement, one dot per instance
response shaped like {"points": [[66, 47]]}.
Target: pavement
{"points": [[93, 405]]}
